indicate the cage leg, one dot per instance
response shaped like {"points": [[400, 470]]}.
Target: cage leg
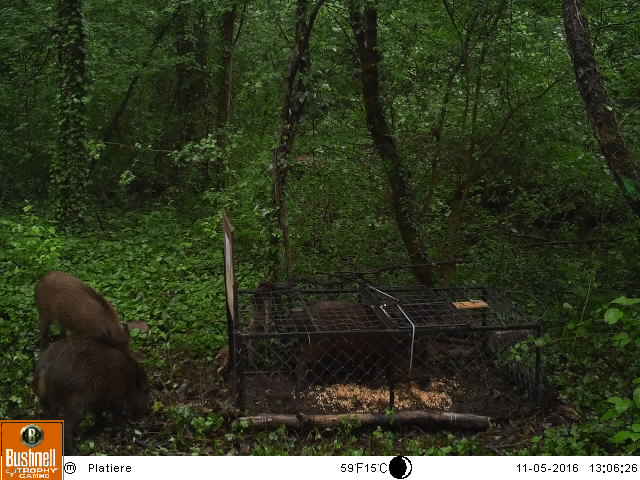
{"points": [[483, 322], [392, 396], [242, 396], [392, 389], [301, 368], [538, 374], [250, 353], [237, 377]]}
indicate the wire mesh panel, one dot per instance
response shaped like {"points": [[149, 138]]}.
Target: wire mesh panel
{"points": [[373, 347], [449, 308]]}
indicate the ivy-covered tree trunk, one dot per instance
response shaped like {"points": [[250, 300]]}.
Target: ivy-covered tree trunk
{"points": [[624, 167], [364, 23], [69, 167], [293, 108]]}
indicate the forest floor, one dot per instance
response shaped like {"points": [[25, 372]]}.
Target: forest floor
{"points": [[194, 414]]}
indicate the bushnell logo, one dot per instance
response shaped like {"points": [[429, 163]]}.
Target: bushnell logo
{"points": [[32, 435], [31, 449]]}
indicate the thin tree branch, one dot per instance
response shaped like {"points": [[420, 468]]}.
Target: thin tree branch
{"points": [[243, 17], [108, 132]]}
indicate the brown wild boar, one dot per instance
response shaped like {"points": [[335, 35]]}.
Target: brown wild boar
{"points": [[64, 299], [77, 375]]}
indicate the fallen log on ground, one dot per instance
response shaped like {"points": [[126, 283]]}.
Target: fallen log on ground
{"points": [[425, 418]]}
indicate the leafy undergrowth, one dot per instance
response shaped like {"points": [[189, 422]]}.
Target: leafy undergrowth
{"points": [[168, 273], [152, 267]]}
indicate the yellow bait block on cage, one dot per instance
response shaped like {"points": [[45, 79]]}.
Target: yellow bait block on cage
{"points": [[470, 304]]}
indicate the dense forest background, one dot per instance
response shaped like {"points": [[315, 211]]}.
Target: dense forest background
{"points": [[339, 136]]}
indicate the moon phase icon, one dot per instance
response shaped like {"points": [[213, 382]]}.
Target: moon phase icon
{"points": [[400, 467]]}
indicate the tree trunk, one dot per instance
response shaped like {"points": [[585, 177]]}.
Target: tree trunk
{"points": [[293, 108], [188, 116], [191, 75], [365, 29], [228, 21], [223, 114], [69, 168], [622, 163]]}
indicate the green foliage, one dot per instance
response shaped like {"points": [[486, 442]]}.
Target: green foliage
{"points": [[601, 376], [156, 279], [192, 425], [26, 97], [624, 411], [627, 321], [199, 160], [28, 246], [31, 245], [589, 438], [462, 446]]}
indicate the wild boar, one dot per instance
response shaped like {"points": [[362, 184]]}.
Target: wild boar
{"points": [[329, 352], [342, 343], [77, 375], [66, 300]]}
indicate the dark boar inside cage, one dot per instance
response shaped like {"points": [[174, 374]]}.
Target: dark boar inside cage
{"points": [[371, 348]]}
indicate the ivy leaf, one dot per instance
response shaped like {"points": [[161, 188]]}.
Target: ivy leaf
{"points": [[620, 404], [630, 186], [636, 396], [613, 315], [626, 301], [621, 339], [622, 437]]}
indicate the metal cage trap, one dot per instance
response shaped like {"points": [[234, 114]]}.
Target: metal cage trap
{"points": [[366, 348]]}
